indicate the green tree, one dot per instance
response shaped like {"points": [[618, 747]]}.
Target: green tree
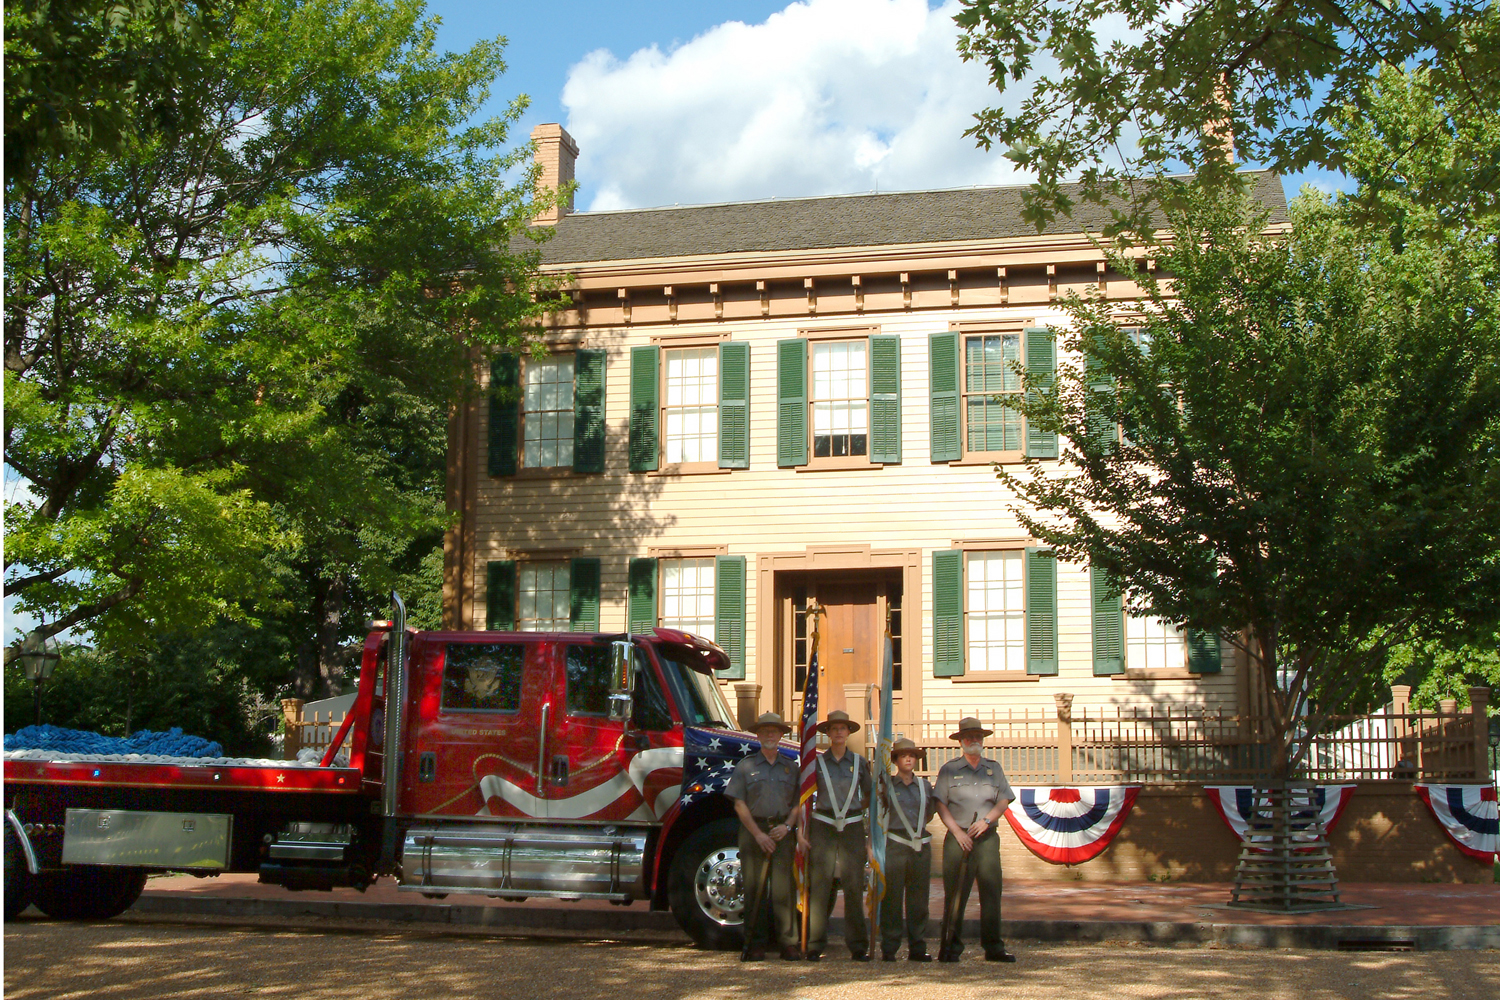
{"points": [[227, 328], [1113, 91], [1296, 444]]}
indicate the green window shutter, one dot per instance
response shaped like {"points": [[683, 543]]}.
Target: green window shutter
{"points": [[791, 403], [505, 415], [500, 596], [885, 399], [1109, 624], [583, 595], [1041, 612], [734, 405], [1041, 363], [948, 613], [942, 388], [588, 411], [729, 613], [1103, 432], [1203, 652], [640, 597], [645, 417]]}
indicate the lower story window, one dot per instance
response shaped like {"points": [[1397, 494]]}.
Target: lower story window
{"points": [[544, 603], [1152, 644], [996, 611], [687, 595]]}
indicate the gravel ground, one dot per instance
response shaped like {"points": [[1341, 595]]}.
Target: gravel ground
{"points": [[135, 957]]}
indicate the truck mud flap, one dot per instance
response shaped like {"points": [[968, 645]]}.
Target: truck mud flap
{"points": [[146, 839]]}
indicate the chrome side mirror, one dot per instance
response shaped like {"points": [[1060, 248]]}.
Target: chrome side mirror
{"points": [[621, 680]]}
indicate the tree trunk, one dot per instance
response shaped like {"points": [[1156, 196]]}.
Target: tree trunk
{"points": [[331, 652]]}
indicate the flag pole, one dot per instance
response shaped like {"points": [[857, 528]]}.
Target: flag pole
{"points": [[881, 765], [807, 749]]}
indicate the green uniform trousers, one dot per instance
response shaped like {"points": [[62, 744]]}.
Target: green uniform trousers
{"points": [[782, 904], [908, 881], [842, 855], [984, 865]]}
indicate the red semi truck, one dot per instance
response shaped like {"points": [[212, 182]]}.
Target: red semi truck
{"points": [[567, 765]]}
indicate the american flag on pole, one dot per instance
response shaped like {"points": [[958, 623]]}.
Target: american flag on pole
{"points": [[809, 759]]}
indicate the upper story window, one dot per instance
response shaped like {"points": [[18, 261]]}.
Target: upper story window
{"points": [[690, 409], [975, 384], [547, 413], [690, 406], [840, 399], [991, 385]]}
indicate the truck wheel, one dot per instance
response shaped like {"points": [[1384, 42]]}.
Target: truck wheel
{"points": [[88, 892], [17, 878], [705, 887]]}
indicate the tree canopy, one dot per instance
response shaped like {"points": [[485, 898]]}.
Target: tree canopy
{"points": [[1116, 90], [1295, 442], [234, 325]]}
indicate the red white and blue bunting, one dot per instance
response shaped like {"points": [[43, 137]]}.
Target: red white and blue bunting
{"points": [[1236, 803], [1068, 826], [1469, 815]]}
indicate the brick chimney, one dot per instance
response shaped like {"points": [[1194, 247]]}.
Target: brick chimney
{"points": [[556, 152]]}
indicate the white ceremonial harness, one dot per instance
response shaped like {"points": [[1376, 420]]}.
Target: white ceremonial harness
{"points": [[840, 817], [911, 839]]}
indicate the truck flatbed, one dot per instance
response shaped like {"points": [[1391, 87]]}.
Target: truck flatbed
{"points": [[50, 767]]}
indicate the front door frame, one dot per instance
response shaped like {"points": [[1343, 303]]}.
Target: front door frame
{"points": [[775, 669]]}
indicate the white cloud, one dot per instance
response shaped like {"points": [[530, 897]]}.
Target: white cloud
{"points": [[826, 96]]}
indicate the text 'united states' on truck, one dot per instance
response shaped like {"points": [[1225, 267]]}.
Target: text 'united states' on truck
{"points": [[565, 765]]}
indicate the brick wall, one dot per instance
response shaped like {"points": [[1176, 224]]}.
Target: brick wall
{"points": [[1386, 834]]}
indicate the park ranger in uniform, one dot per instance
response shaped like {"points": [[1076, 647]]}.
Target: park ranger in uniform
{"points": [[764, 789], [910, 806], [971, 794], [839, 845]]}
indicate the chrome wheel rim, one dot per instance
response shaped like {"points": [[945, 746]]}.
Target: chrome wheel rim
{"points": [[719, 887]]}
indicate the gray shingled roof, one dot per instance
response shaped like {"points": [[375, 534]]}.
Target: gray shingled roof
{"points": [[958, 215]]}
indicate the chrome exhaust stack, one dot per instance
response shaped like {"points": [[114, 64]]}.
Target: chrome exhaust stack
{"points": [[395, 712]]}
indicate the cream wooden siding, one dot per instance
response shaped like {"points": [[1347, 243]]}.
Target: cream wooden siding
{"points": [[617, 515]]}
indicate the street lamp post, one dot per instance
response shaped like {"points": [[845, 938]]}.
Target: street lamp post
{"points": [[38, 659]]}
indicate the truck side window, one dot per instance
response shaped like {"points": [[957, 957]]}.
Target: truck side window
{"points": [[650, 701], [588, 680], [483, 676]]}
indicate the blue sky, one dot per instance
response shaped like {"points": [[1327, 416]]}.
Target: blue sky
{"points": [[676, 102]]}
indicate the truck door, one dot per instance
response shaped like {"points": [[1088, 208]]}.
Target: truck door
{"points": [[600, 768], [479, 711]]}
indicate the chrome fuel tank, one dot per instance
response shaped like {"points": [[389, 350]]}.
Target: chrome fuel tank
{"points": [[511, 859]]}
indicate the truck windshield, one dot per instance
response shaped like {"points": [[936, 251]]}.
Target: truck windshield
{"points": [[697, 695]]}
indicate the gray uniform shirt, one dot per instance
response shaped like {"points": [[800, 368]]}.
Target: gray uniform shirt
{"points": [[971, 792], [835, 790], [907, 799], [770, 790]]}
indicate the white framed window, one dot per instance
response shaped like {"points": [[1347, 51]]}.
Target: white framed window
{"points": [[691, 405], [991, 383], [995, 605], [547, 413], [1153, 644], [543, 601], [840, 399], [687, 595]]}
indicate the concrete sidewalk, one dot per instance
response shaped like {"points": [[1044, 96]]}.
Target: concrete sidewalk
{"points": [[1383, 915]]}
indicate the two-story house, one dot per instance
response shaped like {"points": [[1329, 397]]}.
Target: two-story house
{"points": [[754, 409]]}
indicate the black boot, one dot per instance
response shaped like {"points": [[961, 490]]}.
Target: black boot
{"points": [[917, 953]]}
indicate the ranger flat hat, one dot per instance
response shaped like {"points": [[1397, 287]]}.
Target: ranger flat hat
{"points": [[770, 719], [904, 745], [971, 723], [837, 716]]}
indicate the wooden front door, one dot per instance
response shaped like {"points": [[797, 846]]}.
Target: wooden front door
{"points": [[850, 647]]}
